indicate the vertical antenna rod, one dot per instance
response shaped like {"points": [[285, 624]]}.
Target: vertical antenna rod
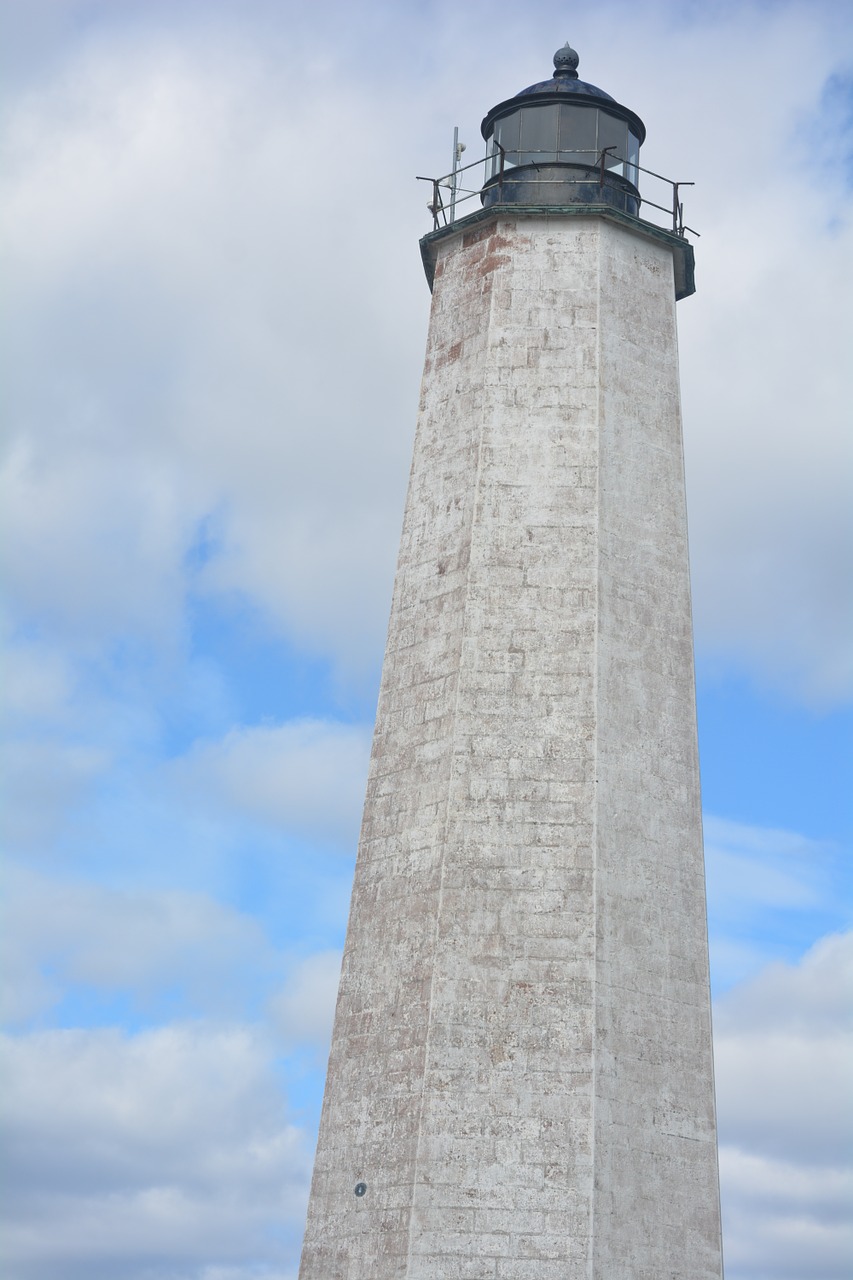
{"points": [[453, 174]]}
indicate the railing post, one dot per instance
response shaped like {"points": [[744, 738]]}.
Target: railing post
{"points": [[453, 174], [502, 151], [604, 153]]}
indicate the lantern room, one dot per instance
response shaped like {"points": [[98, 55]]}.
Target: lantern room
{"points": [[563, 141]]}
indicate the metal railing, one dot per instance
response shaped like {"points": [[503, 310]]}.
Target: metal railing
{"points": [[445, 213]]}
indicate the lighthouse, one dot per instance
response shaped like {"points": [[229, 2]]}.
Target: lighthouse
{"points": [[520, 1084]]}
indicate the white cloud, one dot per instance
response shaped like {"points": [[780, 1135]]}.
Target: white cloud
{"points": [[767, 890], [155, 946], [164, 1153], [784, 1055], [41, 781], [785, 1221], [194, 308], [303, 1011], [37, 684], [752, 865], [235, 325], [218, 317], [814, 996], [92, 543], [307, 776], [765, 373]]}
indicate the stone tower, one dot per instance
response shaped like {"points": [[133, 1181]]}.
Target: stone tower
{"points": [[520, 1083]]}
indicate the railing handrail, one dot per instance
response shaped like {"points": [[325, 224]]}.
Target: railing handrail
{"points": [[450, 180]]}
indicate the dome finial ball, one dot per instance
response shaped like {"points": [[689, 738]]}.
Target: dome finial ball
{"points": [[566, 62]]}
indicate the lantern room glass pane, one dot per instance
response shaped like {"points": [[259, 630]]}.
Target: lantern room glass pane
{"points": [[632, 173], [613, 133], [507, 131], [492, 158], [538, 135], [577, 135]]}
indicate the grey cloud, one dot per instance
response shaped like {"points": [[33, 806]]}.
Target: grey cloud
{"points": [[41, 781], [304, 776], [784, 1058], [168, 1152], [253, 328], [303, 1010], [157, 945]]}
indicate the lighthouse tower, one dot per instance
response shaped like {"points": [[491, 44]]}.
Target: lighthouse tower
{"points": [[520, 1084]]}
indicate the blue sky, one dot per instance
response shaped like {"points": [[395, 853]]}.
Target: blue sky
{"points": [[213, 332]]}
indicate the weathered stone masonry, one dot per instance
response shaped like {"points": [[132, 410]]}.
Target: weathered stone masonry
{"points": [[521, 1064]]}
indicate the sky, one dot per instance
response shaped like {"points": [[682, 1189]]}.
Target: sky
{"points": [[213, 328]]}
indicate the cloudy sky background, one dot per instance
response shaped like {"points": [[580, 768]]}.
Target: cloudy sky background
{"points": [[213, 330]]}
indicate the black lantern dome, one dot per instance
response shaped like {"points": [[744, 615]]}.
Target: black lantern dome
{"points": [[563, 141]]}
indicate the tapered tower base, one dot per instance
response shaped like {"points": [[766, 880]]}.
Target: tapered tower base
{"points": [[520, 1081]]}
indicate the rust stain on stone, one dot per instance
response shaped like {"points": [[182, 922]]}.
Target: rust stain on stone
{"points": [[490, 257], [474, 237], [449, 356], [491, 261]]}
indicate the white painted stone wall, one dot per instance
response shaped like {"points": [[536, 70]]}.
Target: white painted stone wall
{"points": [[521, 1065]]}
